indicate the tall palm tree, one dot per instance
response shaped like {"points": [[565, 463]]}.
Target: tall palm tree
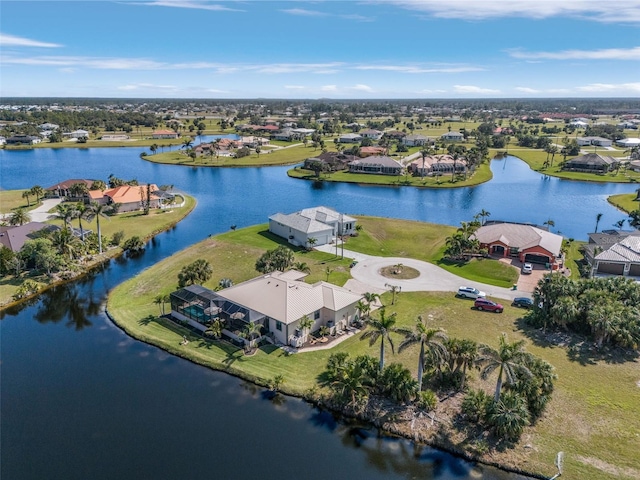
{"points": [[381, 329], [424, 153], [430, 340], [484, 215], [97, 210], [509, 358], [38, 192], [19, 217], [598, 218], [81, 211], [66, 212], [26, 194]]}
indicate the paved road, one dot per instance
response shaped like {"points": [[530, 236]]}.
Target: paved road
{"points": [[431, 279], [41, 213]]}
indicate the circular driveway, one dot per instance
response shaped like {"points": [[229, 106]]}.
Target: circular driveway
{"points": [[431, 279]]}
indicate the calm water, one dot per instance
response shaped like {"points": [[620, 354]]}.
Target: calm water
{"points": [[82, 400]]}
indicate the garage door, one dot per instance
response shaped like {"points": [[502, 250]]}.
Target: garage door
{"points": [[634, 270], [611, 268], [533, 258]]}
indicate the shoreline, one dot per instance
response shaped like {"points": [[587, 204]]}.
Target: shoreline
{"points": [[387, 429], [101, 262]]}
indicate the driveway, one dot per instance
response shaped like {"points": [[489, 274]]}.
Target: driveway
{"points": [[431, 279], [41, 213]]}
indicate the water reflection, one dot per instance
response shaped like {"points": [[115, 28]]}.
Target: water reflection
{"points": [[69, 302]]}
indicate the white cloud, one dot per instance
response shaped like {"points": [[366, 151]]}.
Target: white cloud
{"points": [[466, 89], [192, 5], [362, 88], [304, 13], [147, 86], [13, 41], [294, 87], [329, 88], [527, 90], [609, 11], [622, 88], [602, 54], [420, 69]]}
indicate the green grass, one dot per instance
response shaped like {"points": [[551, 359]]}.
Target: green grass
{"points": [[627, 202], [11, 200], [592, 416], [481, 175], [536, 158], [425, 241], [285, 156]]}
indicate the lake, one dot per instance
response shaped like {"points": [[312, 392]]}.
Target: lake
{"points": [[80, 399]]}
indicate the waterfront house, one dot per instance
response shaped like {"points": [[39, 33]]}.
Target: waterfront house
{"points": [[591, 162], [613, 252], [330, 161], [62, 189], [321, 223], [129, 197], [377, 164], [278, 301], [164, 134], [437, 164], [525, 242], [20, 139], [14, 236], [115, 138]]}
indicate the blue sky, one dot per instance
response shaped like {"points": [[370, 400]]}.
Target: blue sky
{"points": [[320, 49]]}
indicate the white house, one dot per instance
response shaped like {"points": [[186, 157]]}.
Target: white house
{"points": [[452, 136], [597, 141], [277, 301], [371, 133], [350, 138], [319, 223], [628, 142], [415, 140]]}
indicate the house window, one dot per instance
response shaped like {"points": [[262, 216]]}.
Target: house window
{"points": [[316, 315], [278, 325]]}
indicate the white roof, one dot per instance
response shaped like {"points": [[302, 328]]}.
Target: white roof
{"points": [[627, 250], [312, 220], [282, 298], [519, 236]]}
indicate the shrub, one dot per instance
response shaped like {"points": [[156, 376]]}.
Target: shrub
{"points": [[427, 400], [475, 404], [117, 238]]}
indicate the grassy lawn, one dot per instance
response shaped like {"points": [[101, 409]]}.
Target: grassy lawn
{"points": [[481, 175], [285, 156], [132, 223], [627, 202], [11, 200], [425, 241], [536, 158], [592, 416]]}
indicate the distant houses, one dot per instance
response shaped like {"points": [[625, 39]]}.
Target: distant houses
{"points": [[591, 163], [165, 134]]}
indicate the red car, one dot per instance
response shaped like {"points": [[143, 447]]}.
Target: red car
{"points": [[484, 304]]}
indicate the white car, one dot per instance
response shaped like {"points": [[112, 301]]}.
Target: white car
{"points": [[527, 268], [470, 292]]}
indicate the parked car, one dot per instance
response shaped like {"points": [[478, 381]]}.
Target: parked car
{"points": [[522, 302], [484, 304], [527, 268], [470, 292]]}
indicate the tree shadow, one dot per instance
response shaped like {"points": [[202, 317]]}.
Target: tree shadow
{"points": [[147, 320], [578, 347]]}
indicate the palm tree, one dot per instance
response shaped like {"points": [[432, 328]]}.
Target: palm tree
{"points": [[215, 328], [97, 210], [37, 191], [430, 340], [187, 143], [509, 358], [328, 271], [381, 328], [159, 300], [351, 383], [251, 331], [371, 297], [424, 153], [65, 242], [619, 224], [311, 241], [19, 217], [394, 289], [484, 215], [363, 308], [26, 194], [81, 211], [66, 212], [598, 218], [549, 223], [302, 267], [305, 323]]}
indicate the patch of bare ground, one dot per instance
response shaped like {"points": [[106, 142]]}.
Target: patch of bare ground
{"points": [[624, 472]]}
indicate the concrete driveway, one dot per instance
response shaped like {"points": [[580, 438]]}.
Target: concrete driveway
{"points": [[431, 279], [41, 213]]}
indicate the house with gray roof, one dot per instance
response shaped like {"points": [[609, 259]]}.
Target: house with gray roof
{"points": [[379, 164], [277, 301], [597, 141], [350, 138], [452, 136], [14, 237], [525, 242], [319, 223], [416, 140], [591, 162], [613, 253]]}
